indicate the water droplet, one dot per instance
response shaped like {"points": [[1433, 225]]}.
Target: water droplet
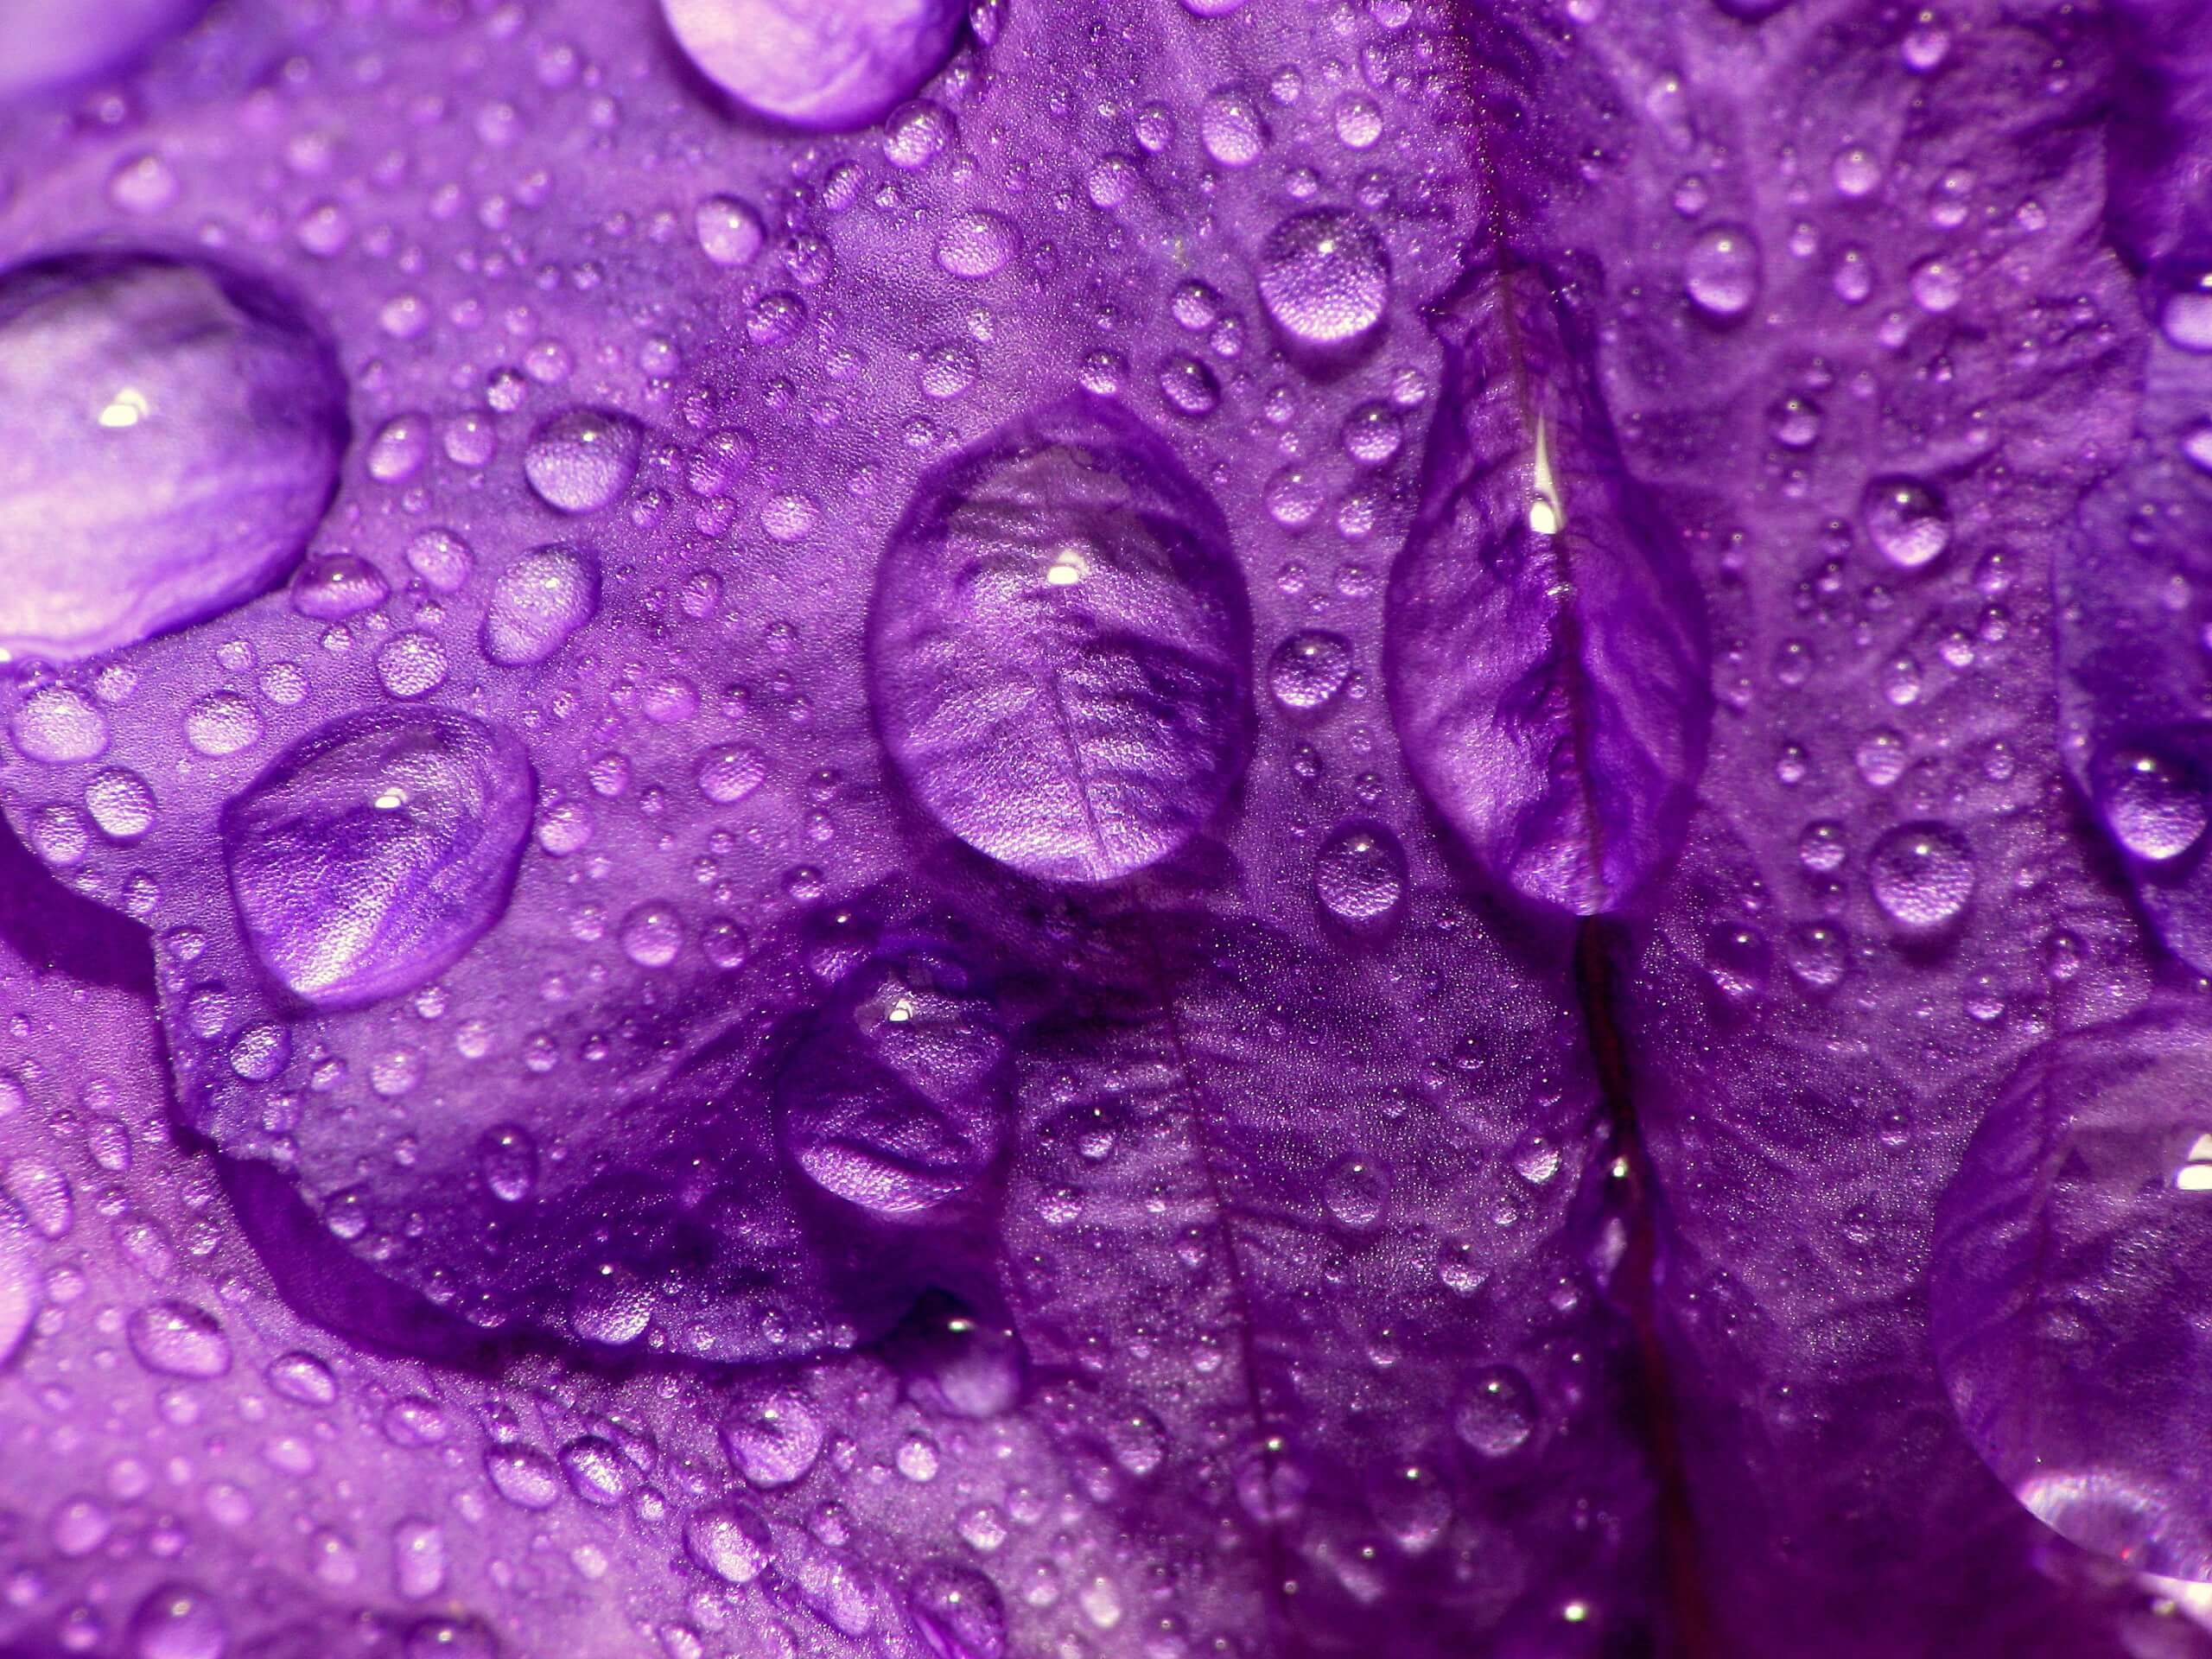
{"points": [[376, 850], [1307, 669], [1324, 276], [1189, 385], [1855, 172], [2185, 319], [508, 1157], [830, 66], [2155, 806], [581, 460], [955, 1609], [1907, 520], [173, 430], [1497, 1414], [1057, 646], [1795, 422], [771, 1436], [977, 244], [221, 723], [1232, 128], [1373, 434], [524, 1476], [597, 1470], [337, 585], [179, 1340], [731, 1541], [916, 134], [1721, 271], [1359, 874], [58, 725], [1357, 1193], [651, 935], [730, 233], [442, 559], [179, 1621], [1922, 874], [537, 602], [411, 665], [611, 1305], [302, 1377]]}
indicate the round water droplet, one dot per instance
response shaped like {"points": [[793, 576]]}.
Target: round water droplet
{"points": [[581, 460], [771, 1436], [729, 232], [1308, 669], [58, 725], [411, 665], [1324, 276], [1232, 128], [171, 432], [977, 244], [302, 1377], [508, 1157], [525, 1477], [916, 134], [1497, 1414], [955, 1609], [2154, 806], [1907, 520], [1189, 385], [337, 585], [611, 1305], [2185, 319], [179, 1340], [1359, 874], [831, 66], [1795, 420], [371, 853], [442, 559], [1721, 273], [1373, 434], [1058, 645], [179, 1621], [1922, 874], [597, 1469], [730, 1540], [2070, 1251], [537, 602], [1357, 1193], [651, 935]]}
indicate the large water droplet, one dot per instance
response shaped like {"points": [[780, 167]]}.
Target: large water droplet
{"points": [[537, 602], [977, 244], [580, 460], [58, 725], [1922, 874], [955, 1609], [1309, 668], [771, 1436], [1907, 519], [170, 435], [1231, 127], [730, 1540], [179, 1340], [179, 1621], [1497, 1414], [1721, 271], [1058, 644], [1359, 876], [2155, 806], [376, 849], [2071, 1253], [827, 67], [1324, 276]]}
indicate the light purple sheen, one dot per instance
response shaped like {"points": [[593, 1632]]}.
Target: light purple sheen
{"points": [[371, 853], [829, 66], [49, 46], [1059, 647], [2069, 1253], [1544, 650], [170, 430]]}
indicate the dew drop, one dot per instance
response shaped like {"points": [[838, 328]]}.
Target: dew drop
{"points": [[1232, 128], [2154, 806], [1309, 668], [730, 233], [58, 725], [1907, 520], [832, 66], [581, 460], [174, 1338], [337, 585], [1497, 1414], [1324, 276], [771, 1436], [372, 853], [1359, 874], [977, 244], [172, 431], [729, 1540], [179, 1621], [1922, 874], [1721, 271], [537, 602]]}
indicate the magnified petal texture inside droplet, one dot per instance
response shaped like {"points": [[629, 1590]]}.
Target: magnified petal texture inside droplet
{"points": [[1060, 648], [827, 67], [1545, 655], [170, 435], [375, 851]]}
